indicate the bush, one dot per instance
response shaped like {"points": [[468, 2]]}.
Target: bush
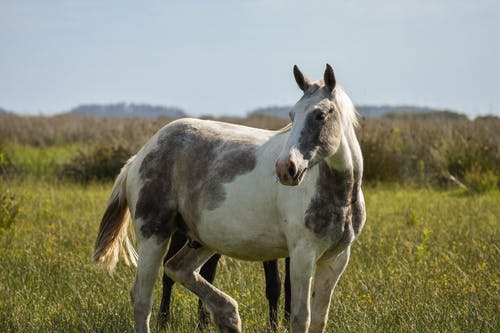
{"points": [[428, 151], [99, 163], [6, 165], [9, 207], [479, 182]]}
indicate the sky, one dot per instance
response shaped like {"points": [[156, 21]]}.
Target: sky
{"points": [[229, 57]]}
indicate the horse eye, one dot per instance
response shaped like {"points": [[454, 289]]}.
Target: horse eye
{"points": [[290, 114], [320, 116]]}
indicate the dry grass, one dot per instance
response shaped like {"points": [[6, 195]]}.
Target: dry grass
{"points": [[406, 150], [66, 129], [427, 261], [428, 151]]}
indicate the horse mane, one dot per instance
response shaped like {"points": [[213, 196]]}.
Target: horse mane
{"points": [[346, 106], [285, 129]]}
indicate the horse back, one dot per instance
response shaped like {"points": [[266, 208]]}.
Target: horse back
{"points": [[183, 168]]}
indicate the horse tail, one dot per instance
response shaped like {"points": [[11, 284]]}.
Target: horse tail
{"points": [[113, 230]]}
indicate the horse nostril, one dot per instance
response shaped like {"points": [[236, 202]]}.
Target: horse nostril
{"points": [[292, 170]]}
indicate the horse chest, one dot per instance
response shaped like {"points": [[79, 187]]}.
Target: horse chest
{"points": [[335, 212], [331, 222]]}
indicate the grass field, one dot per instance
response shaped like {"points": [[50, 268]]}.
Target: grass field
{"points": [[427, 261]]}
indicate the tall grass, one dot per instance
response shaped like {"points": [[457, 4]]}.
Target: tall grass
{"points": [[430, 150], [41, 162], [43, 131], [427, 261], [419, 151]]}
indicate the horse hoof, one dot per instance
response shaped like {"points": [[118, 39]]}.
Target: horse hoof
{"points": [[227, 329]]}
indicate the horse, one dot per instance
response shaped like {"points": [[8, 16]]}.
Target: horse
{"points": [[247, 193], [208, 270]]}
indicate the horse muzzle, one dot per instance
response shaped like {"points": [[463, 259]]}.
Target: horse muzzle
{"points": [[289, 172]]}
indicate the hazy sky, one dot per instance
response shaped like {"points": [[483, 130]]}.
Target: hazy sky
{"points": [[228, 57]]}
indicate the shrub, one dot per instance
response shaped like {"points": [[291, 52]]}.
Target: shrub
{"points": [[99, 163], [428, 151], [479, 182], [9, 208], [6, 165]]}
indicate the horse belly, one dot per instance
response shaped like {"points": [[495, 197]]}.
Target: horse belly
{"points": [[247, 224]]}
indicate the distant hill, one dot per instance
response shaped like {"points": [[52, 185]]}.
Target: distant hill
{"points": [[378, 111], [427, 115], [370, 111], [127, 110], [399, 111], [133, 110], [4, 112], [489, 117], [274, 111]]}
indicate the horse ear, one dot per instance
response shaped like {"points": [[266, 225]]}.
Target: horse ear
{"points": [[329, 78], [302, 81]]}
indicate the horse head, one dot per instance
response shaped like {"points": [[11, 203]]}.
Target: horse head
{"points": [[316, 128]]}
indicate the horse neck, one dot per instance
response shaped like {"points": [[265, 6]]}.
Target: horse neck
{"points": [[348, 156], [344, 169]]}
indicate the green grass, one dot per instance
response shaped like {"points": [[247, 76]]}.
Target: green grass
{"points": [[427, 261], [40, 162]]}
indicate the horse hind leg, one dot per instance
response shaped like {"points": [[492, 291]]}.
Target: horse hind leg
{"points": [[151, 253], [153, 233], [207, 271], [182, 268], [164, 317]]}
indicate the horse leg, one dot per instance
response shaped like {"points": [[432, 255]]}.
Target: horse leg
{"points": [[151, 253], [176, 243], [328, 272], [273, 290], [302, 259], [207, 271], [287, 291], [182, 268]]}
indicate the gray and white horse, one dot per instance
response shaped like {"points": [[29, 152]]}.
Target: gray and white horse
{"points": [[218, 183]]}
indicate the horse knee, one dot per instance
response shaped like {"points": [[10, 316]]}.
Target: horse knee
{"points": [[226, 306]]}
